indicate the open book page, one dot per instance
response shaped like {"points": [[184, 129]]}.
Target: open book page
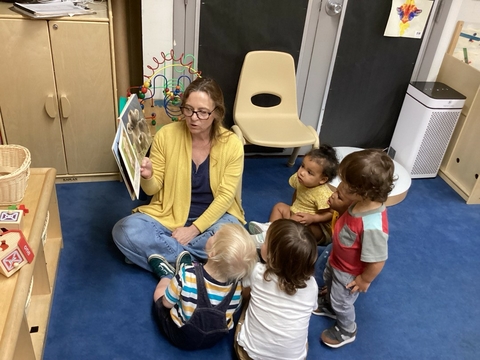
{"points": [[119, 159], [131, 144]]}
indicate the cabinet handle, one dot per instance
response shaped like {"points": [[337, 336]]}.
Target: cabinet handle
{"points": [[66, 107], [51, 106]]}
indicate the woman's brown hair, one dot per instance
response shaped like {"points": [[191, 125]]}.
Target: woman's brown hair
{"points": [[291, 254]]}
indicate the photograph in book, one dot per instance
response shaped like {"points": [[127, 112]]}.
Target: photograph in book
{"points": [[121, 163], [132, 164], [131, 143]]}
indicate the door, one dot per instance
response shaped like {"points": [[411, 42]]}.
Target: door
{"points": [[28, 98], [83, 68]]}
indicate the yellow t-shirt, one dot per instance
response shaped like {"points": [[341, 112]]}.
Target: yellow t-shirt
{"points": [[309, 200]]}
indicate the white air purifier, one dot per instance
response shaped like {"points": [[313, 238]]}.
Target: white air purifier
{"points": [[428, 117]]}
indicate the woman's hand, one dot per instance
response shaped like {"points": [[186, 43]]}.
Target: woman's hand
{"points": [[146, 170], [185, 234]]}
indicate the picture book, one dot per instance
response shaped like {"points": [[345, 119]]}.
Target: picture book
{"points": [[131, 144]]}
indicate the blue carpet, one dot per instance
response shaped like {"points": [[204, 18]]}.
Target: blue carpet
{"points": [[422, 306]]}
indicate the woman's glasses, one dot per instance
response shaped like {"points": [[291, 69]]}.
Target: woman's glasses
{"points": [[201, 114]]}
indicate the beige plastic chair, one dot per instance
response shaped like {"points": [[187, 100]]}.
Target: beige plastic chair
{"points": [[270, 72]]}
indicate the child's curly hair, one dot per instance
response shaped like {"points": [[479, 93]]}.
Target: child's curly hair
{"points": [[291, 254], [368, 173], [234, 252], [326, 157]]}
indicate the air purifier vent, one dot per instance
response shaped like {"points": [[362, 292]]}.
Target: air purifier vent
{"points": [[432, 148]]}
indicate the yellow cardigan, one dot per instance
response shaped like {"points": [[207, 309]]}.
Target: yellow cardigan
{"points": [[170, 185]]}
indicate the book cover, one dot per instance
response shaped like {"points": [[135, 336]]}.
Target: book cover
{"points": [[131, 144]]}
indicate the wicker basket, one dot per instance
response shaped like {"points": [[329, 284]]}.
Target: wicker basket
{"points": [[14, 172]]}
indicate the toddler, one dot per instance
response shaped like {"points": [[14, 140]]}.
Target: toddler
{"points": [[359, 242], [283, 294], [309, 206], [195, 308], [338, 205]]}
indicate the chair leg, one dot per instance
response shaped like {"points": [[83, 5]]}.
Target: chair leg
{"points": [[316, 144], [239, 133], [293, 157]]}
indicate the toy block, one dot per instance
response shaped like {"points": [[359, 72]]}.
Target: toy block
{"points": [[11, 219], [14, 252]]}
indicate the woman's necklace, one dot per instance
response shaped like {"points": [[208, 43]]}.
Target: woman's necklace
{"points": [[200, 152]]}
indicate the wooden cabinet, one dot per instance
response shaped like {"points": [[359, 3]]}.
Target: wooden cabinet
{"points": [[58, 90], [461, 165], [26, 297]]}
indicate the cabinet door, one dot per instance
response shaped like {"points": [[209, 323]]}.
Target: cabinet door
{"points": [[83, 69], [27, 90]]}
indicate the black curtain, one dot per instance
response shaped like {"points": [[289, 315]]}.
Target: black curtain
{"points": [[230, 29], [370, 78]]}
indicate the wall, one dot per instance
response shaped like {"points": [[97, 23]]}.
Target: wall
{"points": [[470, 11], [157, 29], [465, 10], [127, 20]]}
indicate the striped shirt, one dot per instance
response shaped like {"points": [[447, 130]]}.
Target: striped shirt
{"points": [[182, 294]]}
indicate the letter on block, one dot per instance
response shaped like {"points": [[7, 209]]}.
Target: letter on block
{"points": [[11, 219], [14, 252]]}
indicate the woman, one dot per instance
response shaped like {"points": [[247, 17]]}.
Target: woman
{"points": [[194, 171]]}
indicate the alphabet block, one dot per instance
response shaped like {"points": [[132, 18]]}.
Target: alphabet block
{"points": [[11, 219], [14, 252]]}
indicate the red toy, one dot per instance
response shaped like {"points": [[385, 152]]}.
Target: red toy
{"points": [[14, 252]]}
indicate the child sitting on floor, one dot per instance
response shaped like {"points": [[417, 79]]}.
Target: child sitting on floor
{"points": [[309, 206], [195, 308], [283, 294], [359, 243]]}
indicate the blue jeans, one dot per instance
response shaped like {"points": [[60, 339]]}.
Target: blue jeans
{"points": [[139, 235], [323, 254]]}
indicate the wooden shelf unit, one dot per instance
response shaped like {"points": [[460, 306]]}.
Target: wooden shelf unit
{"points": [[460, 167], [24, 315]]}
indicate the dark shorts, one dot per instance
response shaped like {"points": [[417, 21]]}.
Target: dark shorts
{"points": [[186, 337], [166, 325]]}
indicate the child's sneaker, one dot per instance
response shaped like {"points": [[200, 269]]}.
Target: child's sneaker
{"points": [[160, 266], [258, 239], [183, 258], [255, 227], [324, 308], [336, 337]]}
